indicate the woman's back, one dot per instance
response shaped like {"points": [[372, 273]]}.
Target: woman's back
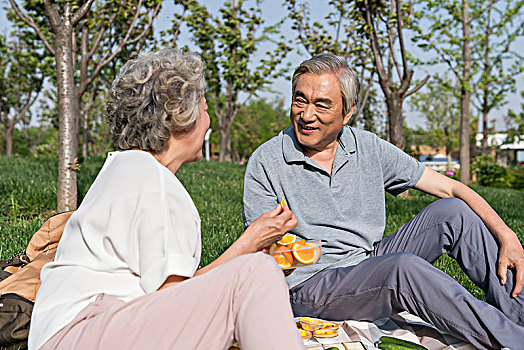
{"points": [[135, 222]]}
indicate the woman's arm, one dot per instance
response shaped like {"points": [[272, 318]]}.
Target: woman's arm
{"points": [[266, 229], [511, 254]]}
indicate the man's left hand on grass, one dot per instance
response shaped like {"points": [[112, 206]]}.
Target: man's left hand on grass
{"points": [[511, 255]]}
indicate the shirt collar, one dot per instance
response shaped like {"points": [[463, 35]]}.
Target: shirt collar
{"points": [[292, 150]]}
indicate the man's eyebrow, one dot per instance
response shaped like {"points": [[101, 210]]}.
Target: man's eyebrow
{"points": [[323, 100], [299, 93], [327, 101]]}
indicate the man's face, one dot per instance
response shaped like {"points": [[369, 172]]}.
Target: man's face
{"points": [[316, 111]]}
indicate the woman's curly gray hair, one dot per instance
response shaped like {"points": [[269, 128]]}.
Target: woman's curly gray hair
{"points": [[153, 96]]}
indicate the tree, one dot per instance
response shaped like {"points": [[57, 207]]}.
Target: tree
{"points": [[110, 31], [256, 123], [496, 34], [341, 37], [227, 44], [515, 123], [62, 26], [95, 129], [438, 105], [372, 116], [46, 144], [454, 28], [21, 78], [445, 15], [382, 21], [63, 20]]}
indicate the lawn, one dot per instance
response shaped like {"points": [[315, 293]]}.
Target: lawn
{"points": [[28, 187]]}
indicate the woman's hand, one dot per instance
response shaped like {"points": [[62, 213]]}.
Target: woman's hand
{"points": [[268, 228]]}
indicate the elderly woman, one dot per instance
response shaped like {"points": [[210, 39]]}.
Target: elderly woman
{"points": [[126, 271]]}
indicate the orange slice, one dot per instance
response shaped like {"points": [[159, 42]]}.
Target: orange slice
{"points": [[310, 320], [306, 253], [305, 334], [325, 333], [287, 239], [281, 260], [275, 249], [330, 325], [310, 324]]}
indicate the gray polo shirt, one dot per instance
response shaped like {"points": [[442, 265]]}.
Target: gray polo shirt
{"points": [[346, 210]]}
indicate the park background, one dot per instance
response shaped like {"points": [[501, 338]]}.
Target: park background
{"points": [[420, 90]]}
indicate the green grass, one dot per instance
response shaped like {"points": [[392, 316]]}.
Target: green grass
{"points": [[28, 197], [28, 186]]}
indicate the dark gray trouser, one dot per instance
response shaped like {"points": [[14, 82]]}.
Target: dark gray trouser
{"points": [[399, 277]]}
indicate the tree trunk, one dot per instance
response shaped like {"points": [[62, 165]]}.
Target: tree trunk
{"points": [[395, 120], [9, 140], [224, 153], [465, 97], [226, 118], [85, 133], [86, 108], [448, 148], [67, 131], [485, 101], [395, 94], [485, 128]]}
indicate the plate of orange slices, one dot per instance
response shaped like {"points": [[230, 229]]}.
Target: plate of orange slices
{"points": [[292, 252], [321, 331]]}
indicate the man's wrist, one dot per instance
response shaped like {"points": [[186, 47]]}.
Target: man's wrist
{"points": [[508, 237]]}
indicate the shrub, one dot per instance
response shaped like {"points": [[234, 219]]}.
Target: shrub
{"points": [[452, 173], [517, 181], [489, 173]]}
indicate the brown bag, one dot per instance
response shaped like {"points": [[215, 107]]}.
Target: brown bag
{"points": [[20, 280], [15, 316]]}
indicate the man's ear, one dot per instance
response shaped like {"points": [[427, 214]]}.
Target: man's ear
{"points": [[348, 115]]}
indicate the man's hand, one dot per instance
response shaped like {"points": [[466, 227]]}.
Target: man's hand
{"points": [[511, 255]]}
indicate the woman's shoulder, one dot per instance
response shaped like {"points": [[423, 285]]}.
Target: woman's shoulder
{"points": [[131, 158], [127, 170], [134, 164]]}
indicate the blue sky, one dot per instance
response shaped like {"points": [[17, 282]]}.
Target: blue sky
{"points": [[272, 11]]}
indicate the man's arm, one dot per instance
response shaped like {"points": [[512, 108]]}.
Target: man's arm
{"points": [[259, 195], [511, 254]]}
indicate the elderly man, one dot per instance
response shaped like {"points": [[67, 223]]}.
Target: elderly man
{"points": [[334, 179]]}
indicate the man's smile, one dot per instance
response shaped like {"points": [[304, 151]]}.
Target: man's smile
{"points": [[306, 129]]}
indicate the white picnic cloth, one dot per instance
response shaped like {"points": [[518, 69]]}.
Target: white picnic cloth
{"points": [[403, 325]]}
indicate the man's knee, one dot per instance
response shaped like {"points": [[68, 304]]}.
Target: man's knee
{"points": [[456, 215], [405, 265], [450, 208], [449, 205]]}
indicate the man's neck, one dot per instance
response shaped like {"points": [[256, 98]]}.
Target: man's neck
{"points": [[325, 157]]}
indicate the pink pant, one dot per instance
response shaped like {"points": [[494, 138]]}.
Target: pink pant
{"points": [[245, 299]]}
